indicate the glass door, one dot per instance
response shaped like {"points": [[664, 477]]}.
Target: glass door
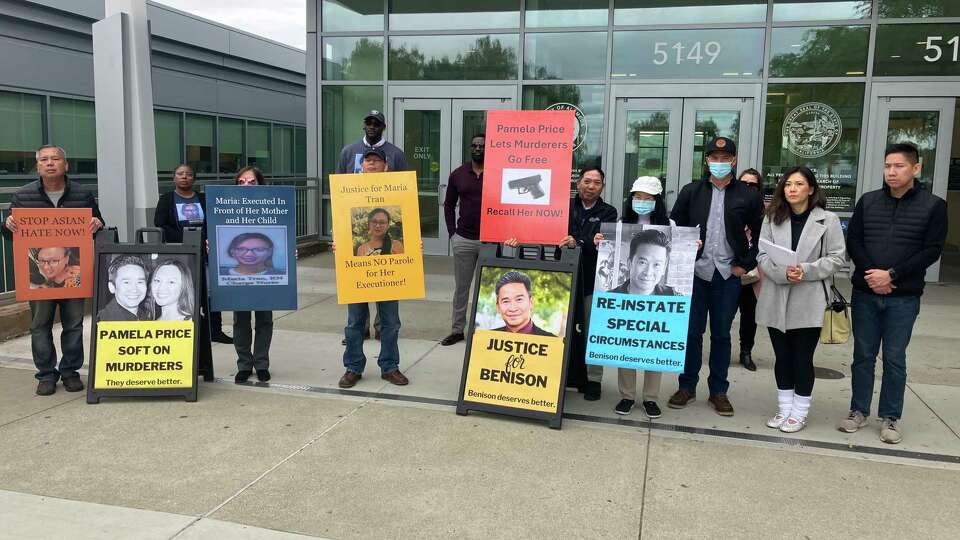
{"points": [[435, 135], [424, 125], [666, 138], [647, 144], [928, 124], [706, 119]]}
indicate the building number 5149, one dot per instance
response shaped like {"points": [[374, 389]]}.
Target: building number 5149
{"points": [[935, 52], [697, 52]]}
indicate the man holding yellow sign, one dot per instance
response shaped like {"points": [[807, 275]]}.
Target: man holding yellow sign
{"points": [[377, 215]]}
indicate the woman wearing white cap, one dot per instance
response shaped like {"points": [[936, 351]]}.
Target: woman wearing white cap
{"points": [[645, 206]]}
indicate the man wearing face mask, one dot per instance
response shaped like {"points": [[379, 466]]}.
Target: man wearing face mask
{"points": [[587, 212], [722, 207], [351, 162], [465, 187]]}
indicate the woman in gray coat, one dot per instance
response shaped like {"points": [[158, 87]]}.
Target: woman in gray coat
{"points": [[794, 297]]}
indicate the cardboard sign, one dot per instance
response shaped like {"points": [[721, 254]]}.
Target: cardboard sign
{"points": [[526, 181], [53, 253], [376, 226], [516, 356], [146, 338], [252, 232], [641, 303]]}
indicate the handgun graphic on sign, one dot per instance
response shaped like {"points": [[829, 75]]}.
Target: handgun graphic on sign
{"points": [[529, 184], [525, 186]]}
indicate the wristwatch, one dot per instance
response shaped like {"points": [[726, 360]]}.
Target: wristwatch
{"points": [[893, 274]]}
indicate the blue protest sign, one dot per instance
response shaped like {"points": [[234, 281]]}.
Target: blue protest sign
{"points": [[641, 304], [252, 235]]}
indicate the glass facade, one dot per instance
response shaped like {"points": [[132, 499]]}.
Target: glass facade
{"points": [[200, 142], [21, 116], [789, 79]]}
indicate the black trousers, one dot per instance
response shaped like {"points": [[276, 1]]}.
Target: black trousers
{"points": [[748, 318], [794, 351]]}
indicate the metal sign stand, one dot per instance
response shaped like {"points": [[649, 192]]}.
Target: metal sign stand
{"points": [[547, 258], [107, 244]]}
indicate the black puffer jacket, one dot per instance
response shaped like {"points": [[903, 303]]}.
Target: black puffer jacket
{"points": [[905, 234], [75, 195], [584, 224]]}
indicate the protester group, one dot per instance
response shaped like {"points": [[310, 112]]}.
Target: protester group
{"points": [[893, 236]]}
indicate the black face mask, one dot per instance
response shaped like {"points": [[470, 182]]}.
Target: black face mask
{"points": [[477, 157]]}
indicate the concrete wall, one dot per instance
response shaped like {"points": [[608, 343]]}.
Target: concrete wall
{"points": [[198, 65]]}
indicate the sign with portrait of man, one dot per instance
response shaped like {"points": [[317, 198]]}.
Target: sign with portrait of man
{"points": [[641, 304]]}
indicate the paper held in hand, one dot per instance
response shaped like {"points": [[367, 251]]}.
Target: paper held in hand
{"points": [[780, 256]]}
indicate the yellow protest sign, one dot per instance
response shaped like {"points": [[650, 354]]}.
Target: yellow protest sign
{"points": [[520, 371], [144, 355], [376, 227]]}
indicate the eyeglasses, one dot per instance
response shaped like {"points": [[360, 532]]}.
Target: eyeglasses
{"points": [[379, 222], [257, 251], [49, 262]]}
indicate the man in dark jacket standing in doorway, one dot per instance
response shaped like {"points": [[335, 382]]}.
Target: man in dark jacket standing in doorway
{"points": [[587, 212], [895, 234], [54, 190], [723, 208]]}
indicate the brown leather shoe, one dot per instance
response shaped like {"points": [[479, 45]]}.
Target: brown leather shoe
{"points": [[349, 379], [395, 377], [681, 398], [721, 404]]}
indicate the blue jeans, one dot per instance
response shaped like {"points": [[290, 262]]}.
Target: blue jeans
{"points": [[881, 321], [357, 317], [719, 298], [71, 340]]}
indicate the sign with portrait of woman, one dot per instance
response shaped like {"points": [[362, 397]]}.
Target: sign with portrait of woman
{"points": [[53, 253], [376, 228], [252, 231]]}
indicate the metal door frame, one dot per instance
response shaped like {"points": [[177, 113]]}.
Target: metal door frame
{"points": [[616, 187], [743, 105]]}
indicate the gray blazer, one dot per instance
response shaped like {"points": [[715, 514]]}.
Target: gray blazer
{"points": [[784, 305]]}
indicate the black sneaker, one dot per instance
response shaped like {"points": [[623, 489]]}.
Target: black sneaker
{"points": [[263, 375], [455, 337], [220, 337], [72, 384], [242, 376], [623, 408], [46, 388], [652, 410]]}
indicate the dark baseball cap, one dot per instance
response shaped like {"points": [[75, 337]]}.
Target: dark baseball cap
{"points": [[376, 114], [376, 151], [721, 144]]}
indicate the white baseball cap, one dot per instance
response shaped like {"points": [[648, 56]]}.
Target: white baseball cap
{"points": [[647, 184]]}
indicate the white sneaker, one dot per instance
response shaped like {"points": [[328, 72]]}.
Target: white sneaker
{"points": [[793, 424], [890, 431], [777, 421]]}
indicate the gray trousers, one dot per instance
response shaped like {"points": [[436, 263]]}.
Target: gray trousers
{"points": [[594, 372], [465, 253], [243, 336]]}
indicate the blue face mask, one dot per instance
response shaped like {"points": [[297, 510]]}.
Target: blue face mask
{"points": [[720, 170], [643, 207]]}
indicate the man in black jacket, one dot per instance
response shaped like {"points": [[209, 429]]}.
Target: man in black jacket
{"points": [[895, 234], [55, 190], [723, 208], [587, 212]]}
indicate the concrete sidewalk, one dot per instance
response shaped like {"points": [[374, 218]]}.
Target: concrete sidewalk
{"points": [[300, 455]]}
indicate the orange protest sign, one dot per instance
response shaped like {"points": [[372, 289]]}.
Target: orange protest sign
{"points": [[53, 253]]}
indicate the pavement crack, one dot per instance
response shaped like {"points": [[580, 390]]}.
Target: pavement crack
{"points": [[82, 396], [643, 489], [927, 405], [265, 473]]}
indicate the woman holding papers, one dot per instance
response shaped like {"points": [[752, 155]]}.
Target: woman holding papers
{"points": [[801, 247], [259, 261]]}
